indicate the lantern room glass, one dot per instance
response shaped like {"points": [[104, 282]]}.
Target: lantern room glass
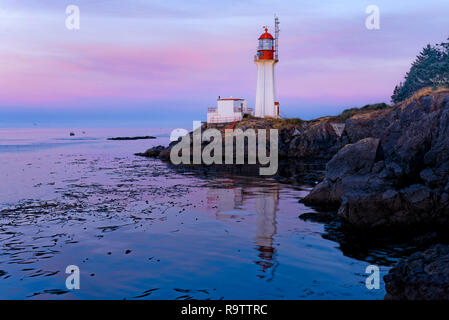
{"points": [[266, 44]]}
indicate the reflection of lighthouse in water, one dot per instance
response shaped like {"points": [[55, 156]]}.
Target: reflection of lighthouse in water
{"points": [[266, 207], [227, 202]]}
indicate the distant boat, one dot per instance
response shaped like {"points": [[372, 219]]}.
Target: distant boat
{"points": [[72, 134]]}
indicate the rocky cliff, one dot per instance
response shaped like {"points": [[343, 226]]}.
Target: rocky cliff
{"points": [[396, 176]]}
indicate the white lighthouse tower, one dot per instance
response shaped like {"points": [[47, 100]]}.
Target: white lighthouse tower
{"points": [[266, 59]]}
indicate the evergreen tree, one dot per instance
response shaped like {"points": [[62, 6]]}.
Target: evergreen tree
{"points": [[430, 69]]}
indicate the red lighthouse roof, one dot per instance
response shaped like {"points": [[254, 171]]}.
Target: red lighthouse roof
{"points": [[266, 35]]}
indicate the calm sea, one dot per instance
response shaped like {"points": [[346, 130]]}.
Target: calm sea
{"points": [[137, 229]]}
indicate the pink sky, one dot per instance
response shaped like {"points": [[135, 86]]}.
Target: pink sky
{"points": [[154, 55]]}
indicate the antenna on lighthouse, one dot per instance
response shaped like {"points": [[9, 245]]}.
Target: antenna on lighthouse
{"points": [[276, 38]]}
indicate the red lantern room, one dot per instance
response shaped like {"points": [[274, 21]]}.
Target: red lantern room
{"points": [[266, 46]]}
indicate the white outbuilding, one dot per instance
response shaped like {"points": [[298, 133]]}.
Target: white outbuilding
{"points": [[228, 110]]}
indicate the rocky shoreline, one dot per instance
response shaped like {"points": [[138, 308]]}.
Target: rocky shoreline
{"points": [[422, 276], [395, 180], [387, 174]]}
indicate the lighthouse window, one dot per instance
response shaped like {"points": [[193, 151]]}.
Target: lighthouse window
{"points": [[265, 44]]}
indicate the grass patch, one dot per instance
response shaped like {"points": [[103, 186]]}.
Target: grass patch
{"points": [[349, 113], [424, 92], [286, 123]]}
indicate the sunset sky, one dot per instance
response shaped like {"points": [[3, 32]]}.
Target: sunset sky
{"points": [[162, 63]]}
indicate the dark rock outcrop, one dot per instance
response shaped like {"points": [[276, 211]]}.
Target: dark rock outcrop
{"points": [[399, 177], [132, 138], [152, 152], [422, 276]]}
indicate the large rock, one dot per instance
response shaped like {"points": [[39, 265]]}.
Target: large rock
{"points": [[422, 276], [358, 158], [384, 207], [347, 173]]}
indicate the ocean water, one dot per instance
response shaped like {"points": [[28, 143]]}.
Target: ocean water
{"points": [[137, 229]]}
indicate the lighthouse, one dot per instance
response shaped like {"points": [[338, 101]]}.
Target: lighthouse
{"points": [[266, 59], [231, 110]]}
